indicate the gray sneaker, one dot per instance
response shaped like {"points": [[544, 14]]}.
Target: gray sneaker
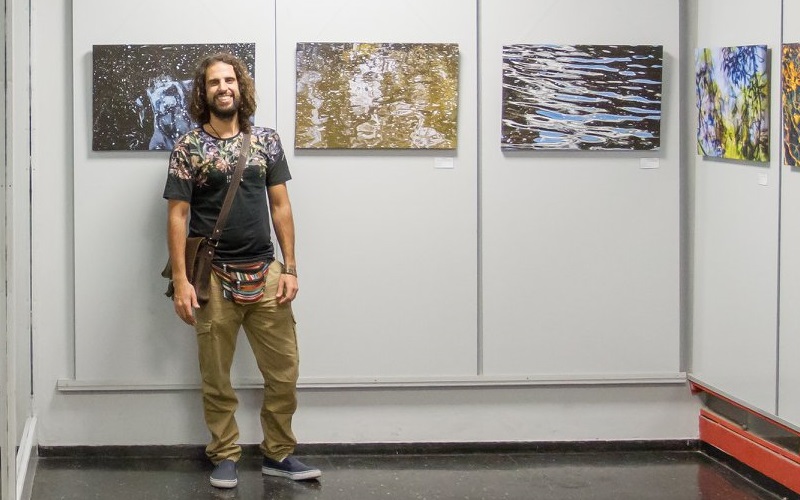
{"points": [[289, 467], [224, 475]]}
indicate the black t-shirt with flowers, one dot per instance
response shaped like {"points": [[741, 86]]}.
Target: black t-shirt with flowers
{"points": [[200, 170]]}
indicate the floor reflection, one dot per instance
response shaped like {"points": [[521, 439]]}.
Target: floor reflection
{"points": [[637, 475]]}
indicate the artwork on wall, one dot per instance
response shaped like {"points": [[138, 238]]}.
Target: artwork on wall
{"points": [[790, 100], [376, 95], [581, 97], [733, 102], [140, 93]]}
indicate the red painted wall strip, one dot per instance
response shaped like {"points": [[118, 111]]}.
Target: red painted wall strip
{"points": [[697, 388], [733, 427], [747, 451]]}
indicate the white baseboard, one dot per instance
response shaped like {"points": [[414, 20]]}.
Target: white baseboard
{"points": [[24, 454]]}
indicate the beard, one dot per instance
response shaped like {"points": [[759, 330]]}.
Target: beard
{"points": [[224, 113]]}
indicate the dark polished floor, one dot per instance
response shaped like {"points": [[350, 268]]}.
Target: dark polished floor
{"points": [[618, 475]]}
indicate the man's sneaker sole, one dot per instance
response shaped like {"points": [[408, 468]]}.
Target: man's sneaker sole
{"points": [[224, 483], [294, 476]]}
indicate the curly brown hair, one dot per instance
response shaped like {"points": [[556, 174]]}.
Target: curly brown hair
{"points": [[198, 104]]}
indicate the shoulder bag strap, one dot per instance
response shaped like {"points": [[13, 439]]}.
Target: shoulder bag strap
{"points": [[237, 178]]}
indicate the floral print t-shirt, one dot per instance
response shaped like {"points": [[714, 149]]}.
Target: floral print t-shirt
{"points": [[200, 169]]}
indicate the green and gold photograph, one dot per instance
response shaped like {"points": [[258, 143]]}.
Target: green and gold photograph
{"points": [[376, 96]]}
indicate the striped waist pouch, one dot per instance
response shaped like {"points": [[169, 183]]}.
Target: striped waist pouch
{"points": [[242, 283]]}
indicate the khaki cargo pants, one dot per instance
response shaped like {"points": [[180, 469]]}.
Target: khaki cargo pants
{"points": [[270, 329]]}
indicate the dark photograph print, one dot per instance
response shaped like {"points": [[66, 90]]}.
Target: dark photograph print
{"points": [[581, 97], [140, 93]]}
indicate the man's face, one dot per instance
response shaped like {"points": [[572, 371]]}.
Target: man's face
{"points": [[222, 90]]}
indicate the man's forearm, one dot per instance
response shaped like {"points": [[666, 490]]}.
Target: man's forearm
{"points": [[176, 242], [283, 221]]}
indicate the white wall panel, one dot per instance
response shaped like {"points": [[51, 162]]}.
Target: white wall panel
{"points": [[736, 231], [580, 249], [125, 329], [387, 244], [16, 241], [789, 374]]}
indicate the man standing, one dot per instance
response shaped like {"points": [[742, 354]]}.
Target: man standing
{"points": [[200, 170]]}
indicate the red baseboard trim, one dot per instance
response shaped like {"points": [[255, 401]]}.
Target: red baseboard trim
{"points": [[736, 428], [698, 389], [778, 464]]}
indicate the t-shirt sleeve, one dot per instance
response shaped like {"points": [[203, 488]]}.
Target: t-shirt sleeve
{"points": [[278, 168], [180, 175]]}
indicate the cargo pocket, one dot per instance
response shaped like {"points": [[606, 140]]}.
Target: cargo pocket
{"points": [[202, 327]]}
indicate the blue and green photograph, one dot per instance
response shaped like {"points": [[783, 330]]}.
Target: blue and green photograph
{"points": [[733, 102]]}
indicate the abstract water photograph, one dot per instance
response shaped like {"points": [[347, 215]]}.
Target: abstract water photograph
{"points": [[140, 93], [733, 102], [581, 97], [376, 95], [790, 100]]}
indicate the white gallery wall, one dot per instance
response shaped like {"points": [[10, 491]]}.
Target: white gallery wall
{"points": [[424, 290], [735, 229]]}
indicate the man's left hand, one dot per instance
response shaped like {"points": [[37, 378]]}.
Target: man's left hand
{"points": [[287, 288]]}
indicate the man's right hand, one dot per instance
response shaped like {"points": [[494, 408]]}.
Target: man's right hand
{"points": [[185, 301]]}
